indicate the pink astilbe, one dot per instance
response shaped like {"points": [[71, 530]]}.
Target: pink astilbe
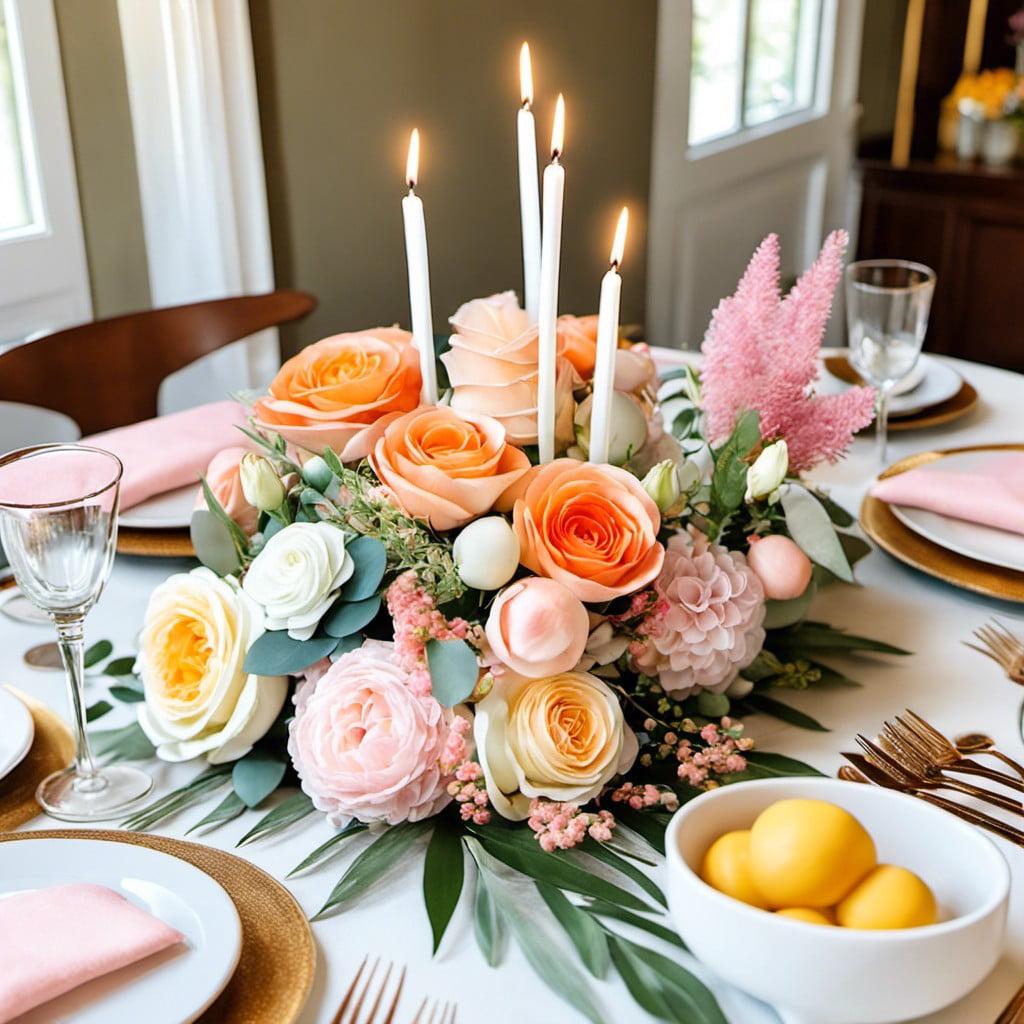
{"points": [[761, 353]]}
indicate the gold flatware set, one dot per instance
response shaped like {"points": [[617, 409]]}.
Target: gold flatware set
{"points": [[382, 1005]]}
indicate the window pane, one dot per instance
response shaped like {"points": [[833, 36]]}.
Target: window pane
{"points": [[15, 207], [780, 58], [717, 62]]}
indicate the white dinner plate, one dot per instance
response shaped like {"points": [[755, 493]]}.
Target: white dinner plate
{"points": [[169, 511], [983, 543], [16, 732], [172, 987], [939, 383]]}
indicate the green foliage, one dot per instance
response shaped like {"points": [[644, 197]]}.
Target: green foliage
{"points": [[95, 653], [227, 810], [257, 775], [453, 670], [809, 525], [275, 653], [443, 876], [179, 799], [371, 560], [348, 617], [327, 849], [129, 743], [586, 934], [295, 808]]}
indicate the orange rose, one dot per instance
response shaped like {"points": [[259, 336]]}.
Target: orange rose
{"points": [[577, 341], [329, 394], [591, 527], [445, 466]]}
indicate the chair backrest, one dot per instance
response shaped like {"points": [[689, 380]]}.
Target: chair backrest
{"points": [[107, 373]]}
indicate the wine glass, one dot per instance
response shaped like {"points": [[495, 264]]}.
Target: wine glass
{"points": [[58, 525], [887, 305]]}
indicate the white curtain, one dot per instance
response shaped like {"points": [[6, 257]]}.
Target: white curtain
{"points": [[192, 91]]}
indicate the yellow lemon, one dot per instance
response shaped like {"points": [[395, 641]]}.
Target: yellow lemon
{"points": [[808, 853], [808, 914], [726, 868], [888, 897]]}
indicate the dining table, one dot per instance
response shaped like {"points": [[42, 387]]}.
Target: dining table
{"points": [[953, 687]]}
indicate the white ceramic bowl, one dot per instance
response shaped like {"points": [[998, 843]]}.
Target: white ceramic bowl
{"points": [[820, 975]]}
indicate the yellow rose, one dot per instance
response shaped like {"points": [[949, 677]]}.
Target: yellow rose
{"points": [[561, 737], [197, 631]]}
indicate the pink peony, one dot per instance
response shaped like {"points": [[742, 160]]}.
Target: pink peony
{"points": [[708, 624], [365, 746]]}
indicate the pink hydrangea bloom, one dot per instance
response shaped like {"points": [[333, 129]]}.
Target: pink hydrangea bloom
{"points": [[366, 746], [709, 621], [761, 353]]}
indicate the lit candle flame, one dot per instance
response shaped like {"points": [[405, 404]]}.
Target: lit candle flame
{"points": [[620, 238], [412, 165], [525, 76], [558, 129]]}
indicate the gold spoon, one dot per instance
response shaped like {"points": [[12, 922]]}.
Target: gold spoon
{"points": [[979, 743]]}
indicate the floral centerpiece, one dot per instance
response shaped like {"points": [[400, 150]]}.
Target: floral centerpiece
{"points": [[401, 611]]}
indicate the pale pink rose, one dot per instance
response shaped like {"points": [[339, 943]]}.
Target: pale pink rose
{"points": [[634, 369], [538, 627], [365, 746], [222, 477]]}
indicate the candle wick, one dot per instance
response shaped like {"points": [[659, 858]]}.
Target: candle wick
{"points": [[555, 154], [615, 266], [412, 188], [527, 106]]}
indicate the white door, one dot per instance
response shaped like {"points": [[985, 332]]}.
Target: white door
{"points": [[755, 105]]}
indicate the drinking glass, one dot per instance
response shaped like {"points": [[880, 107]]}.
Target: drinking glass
{"points": [[58, 525], [887, 305]]}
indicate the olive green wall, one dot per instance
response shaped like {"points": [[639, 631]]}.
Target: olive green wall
{"points": [[101, 133], [342, 83]]}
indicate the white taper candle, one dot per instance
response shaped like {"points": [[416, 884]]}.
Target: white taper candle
{"points": [[551, 247], [419, 275], [607, 344], [529, 191]]}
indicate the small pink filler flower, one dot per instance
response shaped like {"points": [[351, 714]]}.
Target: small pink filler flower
{"points": [[366, 746]]}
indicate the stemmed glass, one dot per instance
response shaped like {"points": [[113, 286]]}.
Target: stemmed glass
{"points": [[887, 305], [58, 525]]}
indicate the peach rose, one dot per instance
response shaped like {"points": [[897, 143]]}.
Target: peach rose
{"points": [[445, 466], [577, 342], [223, 478], [329, 394], [591, 527], [538, 627]]}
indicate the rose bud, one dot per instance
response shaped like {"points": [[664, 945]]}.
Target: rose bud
{"points": [[261, 485], [486, 553], [662, 484], [781, 566], [767, 472]]}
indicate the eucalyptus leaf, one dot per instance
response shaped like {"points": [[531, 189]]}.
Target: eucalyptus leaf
{"points": [[586, 934], [97, 710], [348, 644], [809, 525], [839, 516], [326, 849], [371, 559], [213, 543], [120, 666], [127, 694], [227, 810], [333, 462], [454, 670], [348, 617], [295, 808], [443, 875], [257, 775], [96, 652], [275, 653]]}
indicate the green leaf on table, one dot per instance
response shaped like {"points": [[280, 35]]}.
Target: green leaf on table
{"points": [[348, 617], [487, 923], [373, 862], [128, 694], [854, 547], [836, 513], [95, 653], [762, 764], [227, 810], [97, 710], [659, 931], [128, 743], [371, 559], [608, 857], [257, 775], [647, 824], [120, 666], [543, 954], [275, 653], [823, 637], [785, 713], [586, 934], [832, 677], [213, 543], [324, 850], [662, 987], [809, 525], [295, 808], [443, 875], [179, 799], [453, 670]]}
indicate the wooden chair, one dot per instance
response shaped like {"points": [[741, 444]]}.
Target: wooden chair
{"points": [[107, 373]]}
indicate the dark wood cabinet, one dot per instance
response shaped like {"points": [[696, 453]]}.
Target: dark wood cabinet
{"points": [[967, 223]]}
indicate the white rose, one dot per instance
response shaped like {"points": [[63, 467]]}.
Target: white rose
{"points": [[561, 737], [297, 575], [768, 471], [197, 631]]}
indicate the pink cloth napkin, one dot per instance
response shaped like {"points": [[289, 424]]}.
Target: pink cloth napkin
{"points": [[53, 940], [992, 495], [168, 452]]}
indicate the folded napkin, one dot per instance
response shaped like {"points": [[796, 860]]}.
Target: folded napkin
{"points": [[171, 451], [992, 495], [53, 940]]}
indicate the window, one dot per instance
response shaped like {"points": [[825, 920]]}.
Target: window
{"points": [[15, 201], [753, 62]]}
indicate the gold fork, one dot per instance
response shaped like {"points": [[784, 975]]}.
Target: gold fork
{"points": [[445, 1013], [352, 1003], [1006, 649], [1013, 1011], [944, 750]]}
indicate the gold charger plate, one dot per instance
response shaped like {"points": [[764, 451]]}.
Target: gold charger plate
{"points": [[278, 958], [52, 750], [879, 523], [942, 412], [155, 543]]}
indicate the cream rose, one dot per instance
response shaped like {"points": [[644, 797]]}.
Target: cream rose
{"points": [[197, 631], [297, 575], [562, 737]]}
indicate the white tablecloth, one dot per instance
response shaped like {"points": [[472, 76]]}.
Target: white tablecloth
{"points": [[950, 685]]}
